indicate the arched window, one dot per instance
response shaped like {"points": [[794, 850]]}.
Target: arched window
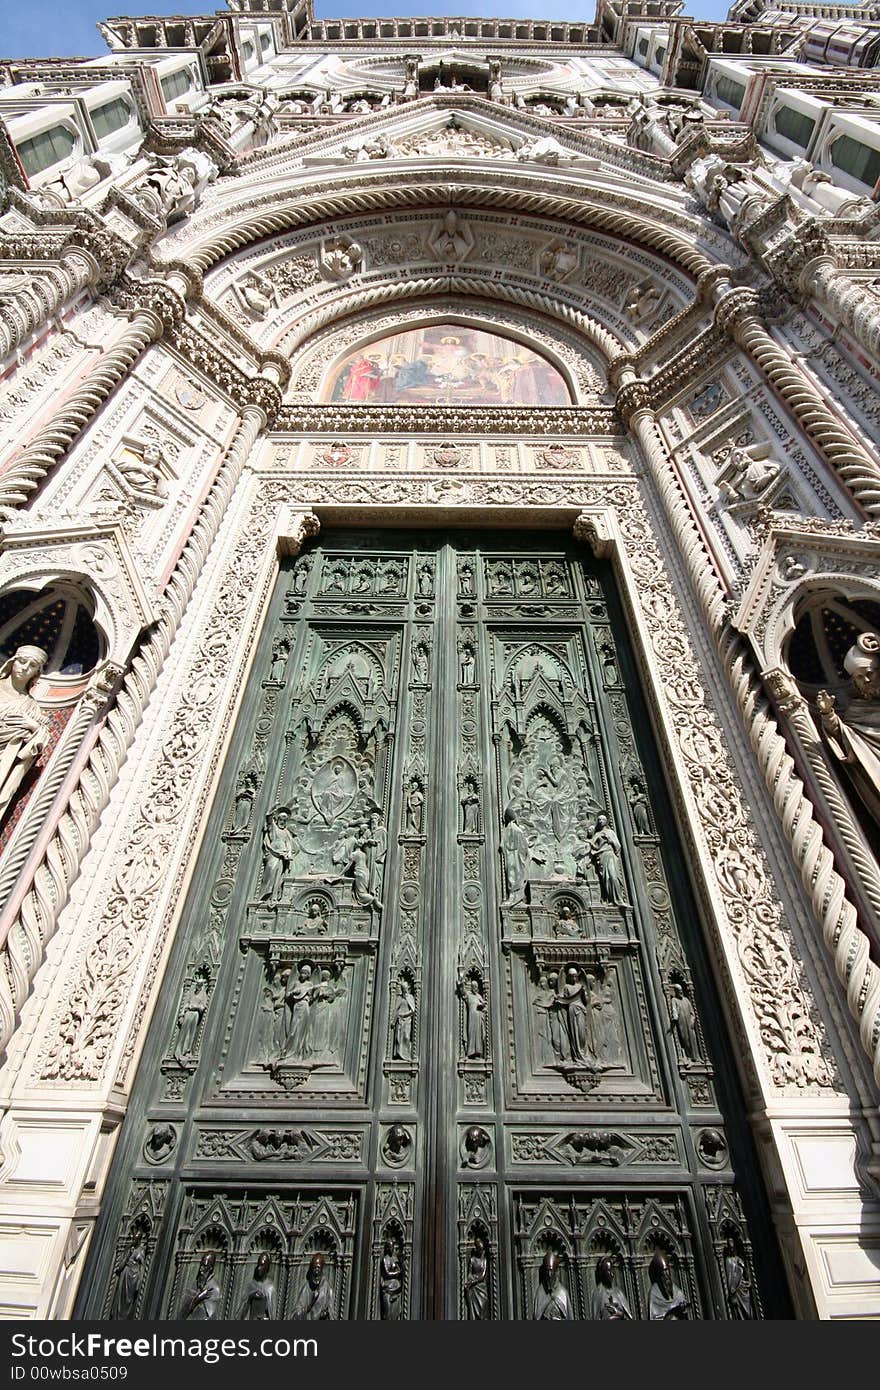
{"points": [[446, 364], [58, 619], [828, 625]]}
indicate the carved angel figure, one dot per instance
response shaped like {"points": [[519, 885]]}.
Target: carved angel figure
{"points": [[24, 728], [854, 738]]}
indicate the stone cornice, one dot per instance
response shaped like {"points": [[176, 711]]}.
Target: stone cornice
{"points": [[471, 420]]}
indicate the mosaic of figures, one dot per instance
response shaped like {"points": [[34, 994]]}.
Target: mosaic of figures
{"points": [[447, 364]]}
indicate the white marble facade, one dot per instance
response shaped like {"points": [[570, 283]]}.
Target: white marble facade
{"points": [[174, 313]]}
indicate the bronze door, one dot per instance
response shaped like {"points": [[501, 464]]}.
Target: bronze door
{"points": [[437, 1038]]}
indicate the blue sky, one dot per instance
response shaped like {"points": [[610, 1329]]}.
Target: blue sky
{"points": [[66, 28]]}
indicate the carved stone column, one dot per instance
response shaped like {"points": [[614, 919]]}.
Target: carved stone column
{"points": [[91, 705], [856, 308], [634, 406], [737, 313], [791, 703], [42, 295], [161, 310]]}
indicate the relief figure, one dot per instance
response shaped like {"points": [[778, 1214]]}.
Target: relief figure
{"points": [[258, 1304], [314, 1302], [201, 1303]]}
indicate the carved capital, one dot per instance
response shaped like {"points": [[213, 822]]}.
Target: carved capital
{"points": [[783, 690], [103, 684], [632, 397], [592, 529], [735, 307], [109, 252], [153, 297], [263, 394]]}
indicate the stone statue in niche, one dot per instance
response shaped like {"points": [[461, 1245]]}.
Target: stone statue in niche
{"points": [[466, 579], [470, 807], [854, 737], [467, 665], [517, 857], [608, 1304], [390, 1284], [192, 1011], [301, 578], [476, 1284], [739, 1292], [450, 238], [551, 1297], [377, 842], [415, 801], [402, 1021], [341, 257], [475, 1029], [683, 1022], [280, 846], [258, 1303], [666, 1300], [201, 1303], [255, 294], [129, 1277], [314, 1302], [246, 788], [24, 728], [280, 654]]}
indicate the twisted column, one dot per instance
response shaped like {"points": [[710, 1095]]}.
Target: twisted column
{"points": [[855, 307], [28, 468], [27, 933], [41, 297], [737, 315], [836, 915]]}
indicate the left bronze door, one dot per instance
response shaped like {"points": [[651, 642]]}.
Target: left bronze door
{"points": [[279, 1109]]}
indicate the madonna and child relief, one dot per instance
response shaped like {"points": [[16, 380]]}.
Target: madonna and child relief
{"points": [[447, 364]]}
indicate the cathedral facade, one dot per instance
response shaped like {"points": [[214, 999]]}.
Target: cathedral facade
{"points": [[440, 638]]}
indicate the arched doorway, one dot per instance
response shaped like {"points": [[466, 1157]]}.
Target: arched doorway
{"points": [[439, 1038]]}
